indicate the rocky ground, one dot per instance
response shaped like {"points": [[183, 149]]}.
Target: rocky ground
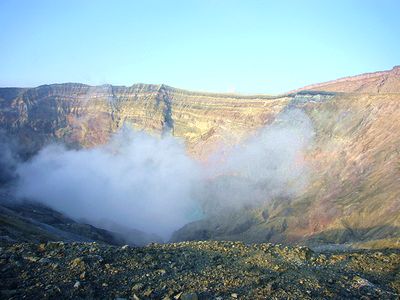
{"points": [[32, 222], [195, 270]]}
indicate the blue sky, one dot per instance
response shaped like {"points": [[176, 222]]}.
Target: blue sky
{"points": [[211, 45]]}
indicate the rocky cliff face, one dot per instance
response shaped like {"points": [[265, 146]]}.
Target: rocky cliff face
{"points": [[353, 191], [352, 195], [86, 116], [376, 82]]}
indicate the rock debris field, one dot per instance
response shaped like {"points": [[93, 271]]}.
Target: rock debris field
{"points": [[195, 270]]}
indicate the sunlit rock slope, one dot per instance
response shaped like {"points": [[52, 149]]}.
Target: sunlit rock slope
{"points": [[353, 193]]}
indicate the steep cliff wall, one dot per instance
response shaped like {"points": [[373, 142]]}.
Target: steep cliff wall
{"points": [[82, 115], [376, 82], [352, 195]]}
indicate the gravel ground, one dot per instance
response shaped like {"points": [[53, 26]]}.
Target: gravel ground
{"points": [[195, 270]]}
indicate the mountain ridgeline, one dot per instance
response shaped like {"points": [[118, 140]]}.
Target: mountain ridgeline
{"points": [[352, 195]]}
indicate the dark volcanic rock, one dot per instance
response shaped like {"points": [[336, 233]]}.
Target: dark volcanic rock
{"points": [[195, 270], [33, 222]]}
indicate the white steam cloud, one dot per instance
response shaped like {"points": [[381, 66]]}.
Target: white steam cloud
{"points": [[136, 181], [151, 184], [269, 164]]}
